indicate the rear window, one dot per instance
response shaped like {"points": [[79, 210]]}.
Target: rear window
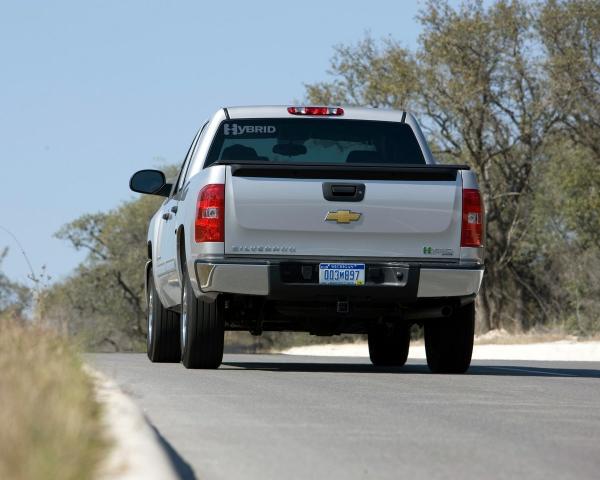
{"points": [[312, 140]]}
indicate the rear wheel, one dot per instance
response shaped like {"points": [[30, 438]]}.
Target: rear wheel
{"points": [[163, 329], [388, 346], [202, 330], [449, 342]]}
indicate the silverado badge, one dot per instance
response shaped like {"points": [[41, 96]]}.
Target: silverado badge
{"points": [[342, 216]]}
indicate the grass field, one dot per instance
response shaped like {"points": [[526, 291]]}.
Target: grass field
{"points": [[49, 419]]}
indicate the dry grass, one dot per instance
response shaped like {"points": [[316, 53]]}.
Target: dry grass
{"points": [[49, 419], [502, 337]]}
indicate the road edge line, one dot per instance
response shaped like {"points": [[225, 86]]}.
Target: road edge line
{"points": [[136, 452]]}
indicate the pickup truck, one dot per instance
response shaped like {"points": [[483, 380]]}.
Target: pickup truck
{"points": [[325, 220]]}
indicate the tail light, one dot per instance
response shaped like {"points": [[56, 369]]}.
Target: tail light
{"points": [[472, 219], [316, 111], [210, 214]]}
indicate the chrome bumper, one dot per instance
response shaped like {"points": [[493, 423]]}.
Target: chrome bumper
{"points": [[447, 282], [255, 279], [244, 278]]}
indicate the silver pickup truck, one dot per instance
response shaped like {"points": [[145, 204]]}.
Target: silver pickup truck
{"points": [[325, 220]]}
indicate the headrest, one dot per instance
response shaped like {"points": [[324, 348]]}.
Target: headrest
{"points": [[363, 156], [239, 152]]}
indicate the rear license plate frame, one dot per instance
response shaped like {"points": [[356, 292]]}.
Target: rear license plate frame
{"points": [[342, 274]]}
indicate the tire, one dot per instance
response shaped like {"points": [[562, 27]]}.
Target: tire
{"points": [[163, 329], [202, 330], [449, 342], [389, 346]]}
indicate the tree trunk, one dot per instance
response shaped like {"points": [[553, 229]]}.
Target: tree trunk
{"points": [[483, 312]]}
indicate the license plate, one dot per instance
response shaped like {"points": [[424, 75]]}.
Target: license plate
{"points": [[342, 273]]}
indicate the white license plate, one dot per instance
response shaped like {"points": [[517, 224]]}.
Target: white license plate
{"points": [[342, 273]]}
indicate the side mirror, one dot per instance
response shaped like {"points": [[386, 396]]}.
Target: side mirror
{"points": [[152, 182]]}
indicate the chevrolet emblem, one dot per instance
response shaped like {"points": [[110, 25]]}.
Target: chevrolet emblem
{"points": [[342, 216]]}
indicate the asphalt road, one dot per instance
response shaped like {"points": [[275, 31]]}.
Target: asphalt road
{"points": [[281, 417]]}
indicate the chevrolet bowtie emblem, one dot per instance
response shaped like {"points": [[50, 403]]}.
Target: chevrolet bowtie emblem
{"points": [[342, 216]]}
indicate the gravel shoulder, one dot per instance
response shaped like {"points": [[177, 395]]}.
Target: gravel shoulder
{"points": [[563, 350], [136, 451]]}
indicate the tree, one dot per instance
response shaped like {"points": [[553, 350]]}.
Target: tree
{"points": [[104, 298], [483, 101], [15, 298], [570, 35], [367, 74], [566, 225], [568, 197]]}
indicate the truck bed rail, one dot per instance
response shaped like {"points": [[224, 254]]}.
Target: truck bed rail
{"points": [[344, 171]]}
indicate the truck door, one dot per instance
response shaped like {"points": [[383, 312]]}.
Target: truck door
{"points": [[167, 268]]}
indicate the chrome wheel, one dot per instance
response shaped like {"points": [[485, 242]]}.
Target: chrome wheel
{"points": [[150, 316], [184, 318]]}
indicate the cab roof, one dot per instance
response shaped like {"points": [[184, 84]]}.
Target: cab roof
{"points": [[281, 111]]}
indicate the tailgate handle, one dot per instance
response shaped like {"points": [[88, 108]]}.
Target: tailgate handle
{"points": [[343, 192]]}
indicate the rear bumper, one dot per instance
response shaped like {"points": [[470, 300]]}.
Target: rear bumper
{"points": [[292, 278]]}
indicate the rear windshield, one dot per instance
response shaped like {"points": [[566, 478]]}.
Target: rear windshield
{"points": [[314, 140]]}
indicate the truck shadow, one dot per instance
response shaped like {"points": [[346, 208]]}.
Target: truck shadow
{"points": [[182, 468], [497, 369]]}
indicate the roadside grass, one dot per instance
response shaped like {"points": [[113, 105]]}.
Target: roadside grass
{"points": [[50, 425]]}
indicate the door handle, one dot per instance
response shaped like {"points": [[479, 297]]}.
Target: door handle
{"points": [[166, 216], [174, 209]]}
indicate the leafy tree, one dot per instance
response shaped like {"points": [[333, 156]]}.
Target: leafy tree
{"points": [[487, 102], [487, 98], [568, 254], [568, 194], [15, 298], [104, 298], [570, 34], [369, 74]]}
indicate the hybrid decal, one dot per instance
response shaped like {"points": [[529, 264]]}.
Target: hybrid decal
{"points": [[438, 252], [235, 129]]}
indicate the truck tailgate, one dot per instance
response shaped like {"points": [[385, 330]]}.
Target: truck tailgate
{"points": [[413, 214]]}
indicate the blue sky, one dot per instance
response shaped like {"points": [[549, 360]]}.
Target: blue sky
{"points": [[92, 91]]}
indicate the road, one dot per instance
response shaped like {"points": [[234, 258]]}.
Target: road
{"points": [[287, 417]]}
